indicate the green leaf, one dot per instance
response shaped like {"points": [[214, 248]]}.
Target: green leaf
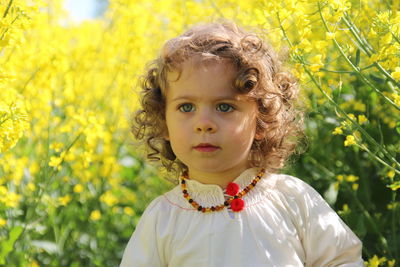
{"points": [[376, 78], [361, 229], [7, 246], [398, 127], [358, 57]]}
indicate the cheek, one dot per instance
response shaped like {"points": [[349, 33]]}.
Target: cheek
{"points": [[174, 128], [245, 126]]}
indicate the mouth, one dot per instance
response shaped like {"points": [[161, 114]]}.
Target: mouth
{"points": [[206, 147]]}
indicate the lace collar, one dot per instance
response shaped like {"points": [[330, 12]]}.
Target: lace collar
{"points": [[211, 194]]}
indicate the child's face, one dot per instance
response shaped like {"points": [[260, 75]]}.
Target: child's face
{"points": [[210, 126]]}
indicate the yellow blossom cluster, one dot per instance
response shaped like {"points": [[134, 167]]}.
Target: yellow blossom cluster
{"points": [[376, 261], [351, 179], [67, 90]]}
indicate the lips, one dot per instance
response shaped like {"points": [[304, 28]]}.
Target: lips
{"points": [[206, 147]]}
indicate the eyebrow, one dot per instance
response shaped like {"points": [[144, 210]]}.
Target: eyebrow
{"points": [[219, 98]]}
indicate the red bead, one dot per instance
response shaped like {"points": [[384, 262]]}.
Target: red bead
{"points": [[232, 189], [237, 204]]}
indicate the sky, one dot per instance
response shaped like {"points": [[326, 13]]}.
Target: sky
{"points": [[81, 10]]}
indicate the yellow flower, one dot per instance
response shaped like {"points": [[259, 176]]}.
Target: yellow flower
{"points": [[358, 106], [129, 211], [34, 168], [345, 208], [320, 45], [2, 222], [34, 264], [330, 35], [393, 205], [374, 57], [395, 186], [391, 263], [375, 261], [338, 130], [56, 146], [391, 174], [355, 187], [55, 161], [336, 186], [95, 215], [396, 99], [362, 119], [396, 74], [316, 63], [78, 188], [351, 178], [31, 186], [64, 200], [109, 198], [351, 116], [11, 199], [350, 140]]}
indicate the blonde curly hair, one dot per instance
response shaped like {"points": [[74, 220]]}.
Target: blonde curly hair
{"points": [[260, 76]]}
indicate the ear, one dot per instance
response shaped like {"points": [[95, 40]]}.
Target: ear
{"points": [[166, 135], [259, 136]]}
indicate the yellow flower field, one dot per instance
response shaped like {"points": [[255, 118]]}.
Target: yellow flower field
{"points": [[73, 183]]}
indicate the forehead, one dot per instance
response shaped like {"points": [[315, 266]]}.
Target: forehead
{"points": [[202, 77]]}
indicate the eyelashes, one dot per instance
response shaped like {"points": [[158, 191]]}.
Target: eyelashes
{"points": [[222, 107], [186, 107]]}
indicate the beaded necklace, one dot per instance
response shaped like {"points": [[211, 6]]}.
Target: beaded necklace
{"points": [[235, 201]]}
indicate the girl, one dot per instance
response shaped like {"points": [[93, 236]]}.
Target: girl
{"points": [[219, 110]]}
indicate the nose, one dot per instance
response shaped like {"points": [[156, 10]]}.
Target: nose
{"points": [[205, 124]]}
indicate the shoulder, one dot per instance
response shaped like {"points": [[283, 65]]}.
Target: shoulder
{"points": [[292, 186], [166, 203], [298, 198]]}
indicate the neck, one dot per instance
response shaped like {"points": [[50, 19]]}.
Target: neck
{"points": [[222, 179]]}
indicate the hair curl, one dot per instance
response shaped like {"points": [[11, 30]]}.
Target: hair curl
{"points": [[260, 76]]}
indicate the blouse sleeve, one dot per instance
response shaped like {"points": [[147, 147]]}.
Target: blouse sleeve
{"points": [[144, 247], [327, 240]]}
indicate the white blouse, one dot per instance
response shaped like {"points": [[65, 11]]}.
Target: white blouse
{"points": [[285, 222]]}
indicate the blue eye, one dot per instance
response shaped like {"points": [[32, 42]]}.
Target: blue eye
{"points": [[186, 107], [224, 107]]}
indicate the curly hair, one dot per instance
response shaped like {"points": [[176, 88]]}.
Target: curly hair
{"points": [[260, 76]]}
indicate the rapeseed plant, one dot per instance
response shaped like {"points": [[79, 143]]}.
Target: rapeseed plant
{"points": [[69, 176]]}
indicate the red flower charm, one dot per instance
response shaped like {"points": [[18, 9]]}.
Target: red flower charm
{"points": [[237, 204], [232, 189]]}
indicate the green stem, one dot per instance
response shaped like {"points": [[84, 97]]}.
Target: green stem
{"points": [[8, 8], [369, 218], [361, 41], [395, 37], [387, 75], [394, 221], [356, 69], [355, 123], [358, 126], [6, 30], [337, 71], [367, 47], [4, 120], [283, 30], [363, 147], [38, 196]]}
